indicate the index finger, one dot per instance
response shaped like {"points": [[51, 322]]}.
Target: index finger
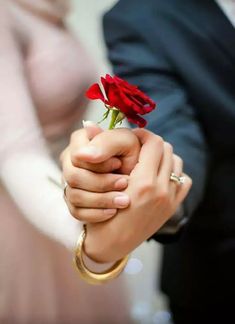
{"points": [[150, 154]]}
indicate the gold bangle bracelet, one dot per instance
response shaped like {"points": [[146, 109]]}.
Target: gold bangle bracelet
{"points": [[95, 278]]}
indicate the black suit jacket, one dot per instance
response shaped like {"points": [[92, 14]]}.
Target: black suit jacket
{"points": [[182, 53]]}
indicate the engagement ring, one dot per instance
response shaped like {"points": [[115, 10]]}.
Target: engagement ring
{"points": [[178, 179]]}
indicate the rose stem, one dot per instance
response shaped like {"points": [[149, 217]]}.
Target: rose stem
{"points": [[114, 115]]}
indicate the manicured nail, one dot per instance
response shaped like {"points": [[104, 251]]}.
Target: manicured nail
{"points": [[120, 183], [90, 151], [88, 123], [110, 212], [122, 201]]}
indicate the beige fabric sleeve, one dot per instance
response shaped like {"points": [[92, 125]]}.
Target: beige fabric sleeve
{"points": [[25, 163]]}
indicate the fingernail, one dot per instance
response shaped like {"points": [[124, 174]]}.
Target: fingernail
{"points": [[110, 212], [116, 165], [88, 123], [120, 183], [121, 201], [90, 151]]}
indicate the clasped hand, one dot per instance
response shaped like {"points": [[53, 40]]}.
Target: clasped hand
{"points": [[119, 184]]}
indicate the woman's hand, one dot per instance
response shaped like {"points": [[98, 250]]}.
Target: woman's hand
{"points": [[154, 198], [94, 193]]}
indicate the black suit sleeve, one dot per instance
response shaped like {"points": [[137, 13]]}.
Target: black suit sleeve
{"points": [[138, 55]]}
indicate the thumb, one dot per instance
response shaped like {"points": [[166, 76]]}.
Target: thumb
{"points": [[121, 143], [82, 139]]}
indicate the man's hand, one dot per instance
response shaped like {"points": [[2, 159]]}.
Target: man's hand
{"points": [[154, 199]]}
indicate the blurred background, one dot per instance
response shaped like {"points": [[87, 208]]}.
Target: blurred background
{"points": [[147, 303]]}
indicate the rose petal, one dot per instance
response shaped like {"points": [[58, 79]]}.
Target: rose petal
{"points": [[135, 119], [109, 78], [106, 85], [129, 99], [94, 92]]}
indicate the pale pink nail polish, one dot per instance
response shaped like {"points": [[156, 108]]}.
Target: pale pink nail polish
{"points": [[120, 183], [121, 201]]}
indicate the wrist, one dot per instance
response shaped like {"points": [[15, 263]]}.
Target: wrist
{"points": [[175, 223], [89, 276], [102, 247], [91, 249], [94, 265]]}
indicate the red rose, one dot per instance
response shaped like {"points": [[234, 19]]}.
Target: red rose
{"points": [[123, 96]]}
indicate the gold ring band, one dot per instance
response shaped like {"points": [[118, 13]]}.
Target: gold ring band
{"points": [[95, 278], [179, 179]]}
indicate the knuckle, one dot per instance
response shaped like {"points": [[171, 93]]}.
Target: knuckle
{"points": [[103, 185], [74, 135], [79, 215], [74, 197], [133, 140], [72, 210], [168, 147], [159, 140], [163, 195], [145, 188], [105, 200], [103, 203], [71, 178], [76, 161], [178, 160]]}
